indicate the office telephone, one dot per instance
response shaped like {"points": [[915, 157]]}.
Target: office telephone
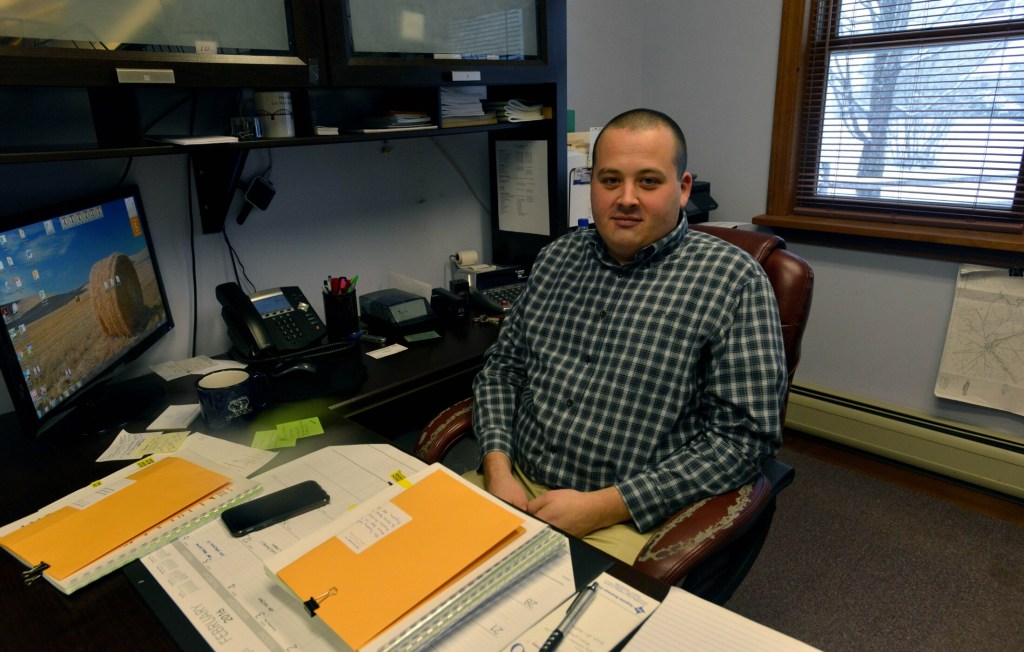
{"points": [[496, 288], [269, 322]]}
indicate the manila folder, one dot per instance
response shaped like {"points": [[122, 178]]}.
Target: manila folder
{"points": [[379, 566]]}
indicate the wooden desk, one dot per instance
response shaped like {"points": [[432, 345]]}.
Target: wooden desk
{"points": [[110, 614]]}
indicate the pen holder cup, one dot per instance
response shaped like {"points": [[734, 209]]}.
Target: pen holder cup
{"points": [[341, 312]]}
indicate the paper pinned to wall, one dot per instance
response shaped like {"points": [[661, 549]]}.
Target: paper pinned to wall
{"points": [[983, 359], [521, 167]]}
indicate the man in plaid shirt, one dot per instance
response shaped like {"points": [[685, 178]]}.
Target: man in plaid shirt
{"points": [[642, 369]]}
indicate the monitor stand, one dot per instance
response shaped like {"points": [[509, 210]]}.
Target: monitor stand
{"points": [[110, 406]]}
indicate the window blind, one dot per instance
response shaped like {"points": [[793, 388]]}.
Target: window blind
{"points": [[913, 113]]}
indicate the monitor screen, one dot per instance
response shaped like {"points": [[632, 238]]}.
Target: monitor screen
{"points": [[80, 295]]}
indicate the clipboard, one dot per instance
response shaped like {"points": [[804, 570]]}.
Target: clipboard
{"points": [[106, 525], [422, 540]]}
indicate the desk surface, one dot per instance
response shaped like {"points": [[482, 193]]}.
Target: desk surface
{"points": [[110, 614]]}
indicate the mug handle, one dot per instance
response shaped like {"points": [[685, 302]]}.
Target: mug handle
{"points": [[261, 382]]}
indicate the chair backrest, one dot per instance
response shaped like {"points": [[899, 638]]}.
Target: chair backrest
{"points": [[791, 278]]}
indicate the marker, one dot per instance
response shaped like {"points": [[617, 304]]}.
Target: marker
{"points": [[576, 609]]}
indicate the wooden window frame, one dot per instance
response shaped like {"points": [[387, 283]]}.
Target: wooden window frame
{"points": [[956, 244]]}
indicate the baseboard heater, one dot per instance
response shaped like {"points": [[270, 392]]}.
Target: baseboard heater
{"points": [[983, 458]]}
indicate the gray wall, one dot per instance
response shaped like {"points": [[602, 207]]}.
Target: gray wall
{"points": [[365, 208], [878, 322]]}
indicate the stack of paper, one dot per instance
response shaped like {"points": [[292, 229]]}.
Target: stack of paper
{"points": [[461, 106], [396, 121], [515, 110], [705, 626], [113, 521]]}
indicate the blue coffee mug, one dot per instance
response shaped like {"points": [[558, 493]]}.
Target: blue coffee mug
{"points": [[231, 396]]}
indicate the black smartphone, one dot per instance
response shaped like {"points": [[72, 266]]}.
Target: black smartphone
{"points": [[275, 507]]}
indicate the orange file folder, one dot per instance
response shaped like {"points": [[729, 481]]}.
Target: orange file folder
{"points": [[450, 528], [69, 538]]}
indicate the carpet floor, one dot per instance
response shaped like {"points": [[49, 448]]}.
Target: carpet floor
{"points": [[857, 563]]}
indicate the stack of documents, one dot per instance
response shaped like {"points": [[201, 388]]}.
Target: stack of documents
{"points": [[113, 521], [400, 570], [515, 110], [462, 106], [396, 121]]}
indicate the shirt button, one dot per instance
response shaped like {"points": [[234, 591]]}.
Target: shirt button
{"points": [[603, 313], [569, 402], [552, 448], [588, 358]]}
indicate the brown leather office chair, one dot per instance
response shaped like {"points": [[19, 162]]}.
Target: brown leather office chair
{"points": [[707, 547]]}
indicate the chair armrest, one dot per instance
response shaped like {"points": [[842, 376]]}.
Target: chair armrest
{"points": [[444, 431], [699, 530]]}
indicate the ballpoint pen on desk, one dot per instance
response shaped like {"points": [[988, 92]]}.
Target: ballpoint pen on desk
{"points": [[576, 609]]}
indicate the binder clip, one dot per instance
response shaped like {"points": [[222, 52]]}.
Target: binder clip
{"points": [[31, 575], [314, 603]]}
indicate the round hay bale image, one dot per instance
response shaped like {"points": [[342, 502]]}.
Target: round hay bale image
{"points": [[117, 296]]}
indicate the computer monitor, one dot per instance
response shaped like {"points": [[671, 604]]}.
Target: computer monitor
{"points": [[80, 296]]}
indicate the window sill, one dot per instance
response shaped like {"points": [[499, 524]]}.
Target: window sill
{"points": [[959, 245]]}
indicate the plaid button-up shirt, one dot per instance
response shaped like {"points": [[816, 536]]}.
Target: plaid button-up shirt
{"points": [[664, 377]]}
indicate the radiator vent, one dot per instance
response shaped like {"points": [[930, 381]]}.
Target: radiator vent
{"points": [[984, 458]]}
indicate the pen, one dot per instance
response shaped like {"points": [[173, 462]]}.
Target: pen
{"points": [[582, 601]]}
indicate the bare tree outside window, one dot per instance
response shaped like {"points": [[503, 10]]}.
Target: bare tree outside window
{"points": [[910, 116]]}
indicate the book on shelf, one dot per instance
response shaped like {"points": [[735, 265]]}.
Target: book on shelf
{"points": [[386, 130], [397, 119], [400, 570], [487, 118], [129, 513], [392, 121]]}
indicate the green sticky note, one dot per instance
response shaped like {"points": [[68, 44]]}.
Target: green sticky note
{"points": [[419, 337], [301, 428], [265, 440]]}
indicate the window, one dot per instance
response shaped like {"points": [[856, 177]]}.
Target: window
{"points": [[901, 119]]}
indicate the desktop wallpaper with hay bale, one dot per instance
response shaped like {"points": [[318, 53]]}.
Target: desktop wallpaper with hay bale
{"points": [[76, 293]]}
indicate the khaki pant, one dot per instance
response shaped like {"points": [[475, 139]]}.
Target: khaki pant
{"points": [[623, 540]]}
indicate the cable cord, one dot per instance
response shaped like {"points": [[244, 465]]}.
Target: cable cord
{"points": [[461, 174], [192, 252], [236, 260]]}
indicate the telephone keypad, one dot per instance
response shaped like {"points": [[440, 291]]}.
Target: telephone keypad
{"points": [[506, 294]]}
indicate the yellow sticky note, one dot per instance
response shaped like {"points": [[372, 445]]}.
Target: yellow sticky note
{"points": [[400, 479]]}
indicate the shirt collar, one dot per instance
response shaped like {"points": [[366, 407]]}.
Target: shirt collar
{"points": [[659, 249]]}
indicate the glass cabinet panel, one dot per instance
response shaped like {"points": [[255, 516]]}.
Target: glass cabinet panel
{"points": [[445, 29], [261, 27]]}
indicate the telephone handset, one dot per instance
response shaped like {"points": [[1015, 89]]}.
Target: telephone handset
{"points": [[270, 321]]}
